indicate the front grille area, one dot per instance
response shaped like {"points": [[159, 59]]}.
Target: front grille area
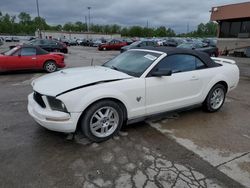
{"points": [[38, 98]]}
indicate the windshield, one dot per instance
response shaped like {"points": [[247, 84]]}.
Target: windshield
{"points": [[10, 52], [133, 63]]}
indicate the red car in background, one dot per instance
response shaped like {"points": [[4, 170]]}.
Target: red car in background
{"points": [[30, 57], [114, 44]]}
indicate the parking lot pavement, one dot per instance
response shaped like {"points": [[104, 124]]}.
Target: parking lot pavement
{"points": [[189, 149]]}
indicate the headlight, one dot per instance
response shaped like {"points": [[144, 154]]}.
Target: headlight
{"points": [[56, 104]]}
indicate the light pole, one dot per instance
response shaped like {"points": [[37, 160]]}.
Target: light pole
{"points": [[89, 19], [38, 14]]}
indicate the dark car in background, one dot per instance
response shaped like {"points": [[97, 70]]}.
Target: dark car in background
{"points": [[98, 42], [15, 39], [68, 42], [170, 42], [50, 45], [72, 42], [8, 39], [86, 42], [113, 44], [210, 50], [141, 43], [12, 39]]}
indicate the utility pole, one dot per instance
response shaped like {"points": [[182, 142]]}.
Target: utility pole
{"points": [[147, 32], [86, 22], [187, 27], [38, 14], [89, 19]]}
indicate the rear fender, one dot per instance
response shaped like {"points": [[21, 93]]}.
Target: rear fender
{"points": [[214, 81]]}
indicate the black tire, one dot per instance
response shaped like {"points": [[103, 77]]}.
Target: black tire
{"points": [[208, 105], [50, 66], [88, 117]]}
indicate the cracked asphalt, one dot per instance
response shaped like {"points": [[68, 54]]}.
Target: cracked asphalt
{"points": [[188, 149]]}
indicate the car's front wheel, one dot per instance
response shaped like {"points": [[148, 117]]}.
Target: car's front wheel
{"points": [[215, 98], [102, 120]]}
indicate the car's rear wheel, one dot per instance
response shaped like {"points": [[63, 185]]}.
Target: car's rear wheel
{"points": [[215, 98], [102, 120], [50, 66]]}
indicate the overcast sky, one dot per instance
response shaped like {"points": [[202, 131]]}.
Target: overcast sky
{"points": [[170, 13]]}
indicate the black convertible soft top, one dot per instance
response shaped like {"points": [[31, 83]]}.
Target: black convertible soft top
{"points": [[171, 51]]}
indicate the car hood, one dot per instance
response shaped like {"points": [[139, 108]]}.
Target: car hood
{"points": [[67, 80]]}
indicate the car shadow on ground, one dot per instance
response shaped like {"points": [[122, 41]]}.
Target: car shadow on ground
{"points": [[21, 72]]}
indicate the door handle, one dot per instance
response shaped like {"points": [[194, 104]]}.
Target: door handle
{"points": [[33, 58]]}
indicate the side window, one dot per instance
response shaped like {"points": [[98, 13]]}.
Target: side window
{"points": [[143, 43], [28, 51], [16, 53], [48, 42], [53, 42], [178, 63], [150, 43], [199, 64]]}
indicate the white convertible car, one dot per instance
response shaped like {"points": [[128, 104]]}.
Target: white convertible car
{"points": [[131, 87]]}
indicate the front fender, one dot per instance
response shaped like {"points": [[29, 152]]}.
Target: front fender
{"points": [[131, 92], [88, 96]]}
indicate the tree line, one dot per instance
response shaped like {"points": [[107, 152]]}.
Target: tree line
{"points": [[25, 25]]}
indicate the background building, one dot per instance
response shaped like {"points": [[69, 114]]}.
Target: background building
{"points": [[233, 26], [76, 35]]}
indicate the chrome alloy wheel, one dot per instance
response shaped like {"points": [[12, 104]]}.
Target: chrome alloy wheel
{"points": [[217, 98], [50, 66], [104, 122]]}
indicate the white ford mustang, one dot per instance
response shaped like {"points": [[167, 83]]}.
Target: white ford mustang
{"points": [[131, 87]]}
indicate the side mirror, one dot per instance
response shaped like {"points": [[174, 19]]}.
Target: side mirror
{"points": [[161, 72]]}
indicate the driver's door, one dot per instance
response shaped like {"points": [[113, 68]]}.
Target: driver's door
{"points": [[181, 89], [24, 58], [111, 45]]}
